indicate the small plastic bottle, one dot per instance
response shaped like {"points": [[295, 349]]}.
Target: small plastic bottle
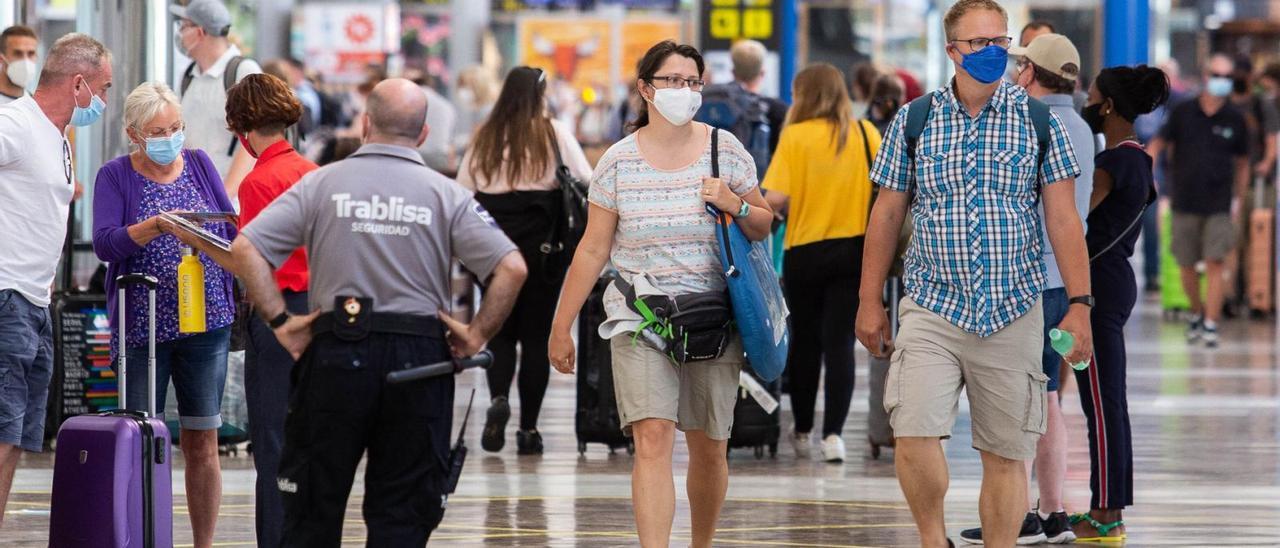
{"points": [[1062, 341], [191, 314]]}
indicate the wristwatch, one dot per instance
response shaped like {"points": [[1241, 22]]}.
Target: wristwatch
{"points": [[278, 321], [744, 210], [1086, 300]]}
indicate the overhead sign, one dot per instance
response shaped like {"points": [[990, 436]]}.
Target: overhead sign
{"points": [[726, 21], [340, 40]]}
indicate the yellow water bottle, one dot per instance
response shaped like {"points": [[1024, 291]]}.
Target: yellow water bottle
{"points": [[191, 317]]}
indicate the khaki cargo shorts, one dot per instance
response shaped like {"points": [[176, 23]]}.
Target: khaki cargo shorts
{"points": [[933, 360], [1194, 238], [697, 396]]}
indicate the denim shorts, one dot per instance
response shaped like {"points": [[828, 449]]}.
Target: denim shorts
{"points": [[198, 366], [1055, 309], [26, 366]]}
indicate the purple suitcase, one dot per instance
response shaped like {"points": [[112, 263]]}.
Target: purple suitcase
{"points": [[111, 471]]}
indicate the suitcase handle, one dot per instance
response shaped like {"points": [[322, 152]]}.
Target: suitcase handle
{"points": [[124, 281], [135, 279]]}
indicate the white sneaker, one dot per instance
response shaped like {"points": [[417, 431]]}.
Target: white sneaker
{"points": [[802, 444], [833, 448]]}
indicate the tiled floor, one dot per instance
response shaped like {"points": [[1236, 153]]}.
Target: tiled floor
{"points": [[1207, 455]]}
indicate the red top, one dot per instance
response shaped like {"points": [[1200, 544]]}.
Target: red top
{"points": [[278, 168]]}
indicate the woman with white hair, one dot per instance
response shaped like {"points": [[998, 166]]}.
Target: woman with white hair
{"points": [[129, 194]]}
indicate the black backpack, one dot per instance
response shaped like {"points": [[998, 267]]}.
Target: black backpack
{"points": [[744, 114], [292, 133]]}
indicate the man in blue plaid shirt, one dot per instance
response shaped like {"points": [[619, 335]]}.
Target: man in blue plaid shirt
{"points": [[973, 274]]}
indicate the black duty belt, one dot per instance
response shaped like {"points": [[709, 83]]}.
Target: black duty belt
{"points": [[384, 322]]}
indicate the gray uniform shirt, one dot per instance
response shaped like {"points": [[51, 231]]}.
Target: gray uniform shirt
{"points": [[380, 224], [1083, 143]]}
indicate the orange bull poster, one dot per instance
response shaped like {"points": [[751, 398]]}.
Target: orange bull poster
{"points": [[574, 50]]}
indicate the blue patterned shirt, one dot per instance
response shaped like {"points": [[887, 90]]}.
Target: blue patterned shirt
{"points": [[975, 258]]}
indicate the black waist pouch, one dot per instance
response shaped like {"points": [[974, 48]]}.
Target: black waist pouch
{"points": [[352, 318], [687, 328], [701, 325]]}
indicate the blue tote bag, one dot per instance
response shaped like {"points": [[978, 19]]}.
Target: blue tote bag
{"points": [[759, 309]]}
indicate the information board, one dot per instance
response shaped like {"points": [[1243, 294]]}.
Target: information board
{"points": [[83, 380]]}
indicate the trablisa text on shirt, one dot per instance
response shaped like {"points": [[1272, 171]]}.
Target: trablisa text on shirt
{"points": [[393, 209]]}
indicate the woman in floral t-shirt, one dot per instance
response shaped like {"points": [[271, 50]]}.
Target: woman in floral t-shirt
{"points": [[647, 216]]}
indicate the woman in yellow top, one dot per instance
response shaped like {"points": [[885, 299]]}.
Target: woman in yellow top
{"points": [[820, 175]]}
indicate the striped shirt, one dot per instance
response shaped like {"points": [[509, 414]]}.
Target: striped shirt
{"points": [[663, 229], [975, 258]]}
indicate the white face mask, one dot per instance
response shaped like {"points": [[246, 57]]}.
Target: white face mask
{"points": [[20, 72], [677, 105]]}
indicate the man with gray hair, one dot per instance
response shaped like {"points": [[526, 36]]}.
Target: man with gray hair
{"points": [[381, 231], [36, 185]]}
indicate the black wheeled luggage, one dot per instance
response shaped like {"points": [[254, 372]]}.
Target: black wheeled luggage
{"points": [[756, 426], [597, 419]]}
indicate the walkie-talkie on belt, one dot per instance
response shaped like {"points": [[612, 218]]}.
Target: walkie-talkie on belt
{"points": [[458, 455]]}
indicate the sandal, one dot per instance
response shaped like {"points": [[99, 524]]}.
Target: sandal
{"points": [[1100, 527]]}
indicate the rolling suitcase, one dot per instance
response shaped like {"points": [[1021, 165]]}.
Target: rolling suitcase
{"points": [[757, 417], [112, 484], [1259, 255], [597, 419], [879, 432]]}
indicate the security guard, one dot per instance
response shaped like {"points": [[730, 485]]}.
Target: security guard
{"points": [[381, 230]]}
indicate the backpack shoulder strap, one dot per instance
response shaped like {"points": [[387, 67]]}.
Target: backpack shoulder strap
{"points": [[187, 76], [1040, 116], [917, 115], [229, 75]]}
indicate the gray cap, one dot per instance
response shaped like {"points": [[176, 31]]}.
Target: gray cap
{"points": [[211, 15]]}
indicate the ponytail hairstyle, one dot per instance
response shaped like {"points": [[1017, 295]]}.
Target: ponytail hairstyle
{"points": [[1133, 91], [648, 67]]}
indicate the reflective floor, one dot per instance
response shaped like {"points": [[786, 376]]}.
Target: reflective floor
{"points": [[1207, 456]]}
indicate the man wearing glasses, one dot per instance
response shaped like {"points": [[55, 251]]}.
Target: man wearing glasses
{"points": [[201, 31], [973, 179], [36, 185]]}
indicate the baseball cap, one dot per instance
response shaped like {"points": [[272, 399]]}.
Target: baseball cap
{"points": [[211, 15], [1052, 52]]}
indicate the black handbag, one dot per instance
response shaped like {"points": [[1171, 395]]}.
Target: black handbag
{"points": [[568, 229]]}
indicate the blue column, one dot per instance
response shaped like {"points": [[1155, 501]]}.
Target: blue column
{"points": [[1126, 23], [787, 54]]}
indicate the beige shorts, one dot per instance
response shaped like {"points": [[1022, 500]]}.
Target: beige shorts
{"points": [[933, 360], [697, 396], [1194, 238]]}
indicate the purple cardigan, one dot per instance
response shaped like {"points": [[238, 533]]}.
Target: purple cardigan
{"points": [[116, 198]]}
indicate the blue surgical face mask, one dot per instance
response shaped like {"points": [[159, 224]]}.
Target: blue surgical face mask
{"points": [[82, 116], [164, 150], [1219, 87], [987, 64]]}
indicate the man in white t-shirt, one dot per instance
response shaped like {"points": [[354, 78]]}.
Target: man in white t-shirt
{"points": [[203, 26], [36, 185], [17, 62]]}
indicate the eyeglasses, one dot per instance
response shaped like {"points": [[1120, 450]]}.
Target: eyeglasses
{"points": [[979, 43], [156, 133], [676, 82], [181, 25], [66, 159]]}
